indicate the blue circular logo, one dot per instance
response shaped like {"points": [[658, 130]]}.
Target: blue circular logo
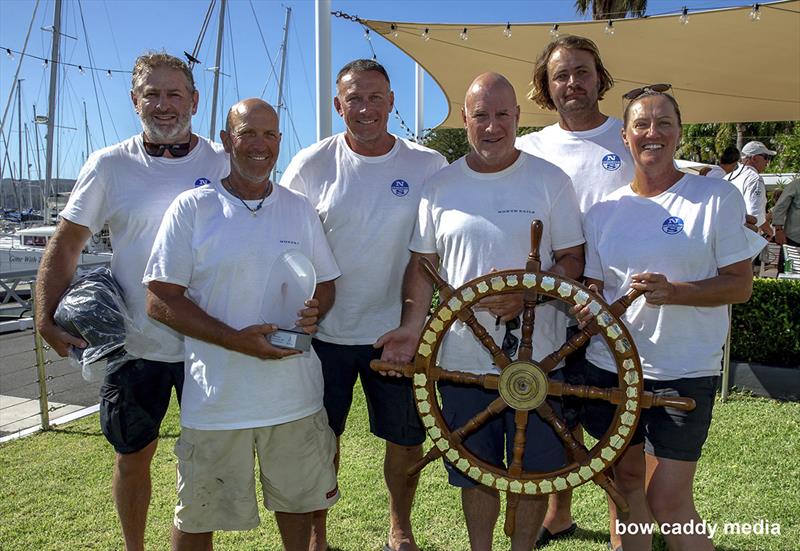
{"points": [[672, 225], [201, 182], [400, 188], [611, 162]]}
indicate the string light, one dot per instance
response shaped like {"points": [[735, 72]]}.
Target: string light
{"points": [[46, 62], [463, 34], [426, 35], [507, 30], [394, 31], [609, 30], [366, 34], [554, 31], [685, 16], [755, 13]]}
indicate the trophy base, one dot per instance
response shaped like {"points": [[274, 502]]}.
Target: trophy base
{"points": [[285, 338]]}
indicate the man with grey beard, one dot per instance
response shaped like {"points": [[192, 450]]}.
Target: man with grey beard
{"points": [[129, 186]]}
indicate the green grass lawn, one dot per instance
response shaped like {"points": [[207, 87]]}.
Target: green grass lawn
{"points": [[56, 490]]}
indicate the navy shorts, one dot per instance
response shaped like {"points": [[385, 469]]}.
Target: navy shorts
{"points": [[390, 400], [134, 400], [573, 373], [494, 441], [666, 432]]}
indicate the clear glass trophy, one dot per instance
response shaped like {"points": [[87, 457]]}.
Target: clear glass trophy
{"points": [[290, 283]]}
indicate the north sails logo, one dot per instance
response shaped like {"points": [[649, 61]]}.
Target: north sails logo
{"points": [[400, 188], [201, 182], [672, 225], [611, 162]]}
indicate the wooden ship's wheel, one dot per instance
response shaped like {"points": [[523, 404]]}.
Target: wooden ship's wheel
{"points": [[524, 384]]}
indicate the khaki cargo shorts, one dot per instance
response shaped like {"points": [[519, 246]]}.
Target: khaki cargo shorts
{"points": [[216, 484]]}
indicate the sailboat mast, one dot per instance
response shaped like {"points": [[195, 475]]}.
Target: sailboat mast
{"points": [[51, 102], [27, 151], [280, 106], [37, 147], [212, 134], [86, 129], [19, 125], [283, 61]]}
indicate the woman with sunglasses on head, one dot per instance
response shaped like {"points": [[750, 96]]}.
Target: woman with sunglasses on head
{"points": [[681, 240]]}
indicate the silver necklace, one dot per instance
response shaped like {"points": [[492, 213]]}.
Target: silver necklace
{"points": [[253, 211]]}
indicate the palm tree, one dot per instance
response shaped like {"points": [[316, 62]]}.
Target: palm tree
{"points": [[611, 9]]}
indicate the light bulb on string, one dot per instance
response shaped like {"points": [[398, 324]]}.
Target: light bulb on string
{"points": [[81, 70], [108, 73], [684, 19], [9, 53], [507, 30], [394, 32], [554, 31], [609, 30], [366, 34], [463, 34], [755, 13], [426, 35], [44, 63]]}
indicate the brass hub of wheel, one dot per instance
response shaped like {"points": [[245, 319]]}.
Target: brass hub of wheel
{"points": [[523, 385]]}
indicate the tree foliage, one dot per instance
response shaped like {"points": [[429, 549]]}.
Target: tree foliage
{"points": [[704, 142], [452, 142]]}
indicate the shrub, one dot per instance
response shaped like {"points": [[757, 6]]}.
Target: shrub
{"points": [[766, 329]]}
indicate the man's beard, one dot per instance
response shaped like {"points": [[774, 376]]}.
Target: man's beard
{"points": [[153, 131]]}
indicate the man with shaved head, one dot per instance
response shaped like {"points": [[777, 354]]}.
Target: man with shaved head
{"points": [[244, 397], [475, 217]]}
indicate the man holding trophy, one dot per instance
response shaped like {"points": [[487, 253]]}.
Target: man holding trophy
{"points": [[244, 390]]}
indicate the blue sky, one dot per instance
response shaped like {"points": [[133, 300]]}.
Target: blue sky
{"points": [[119, 30]]}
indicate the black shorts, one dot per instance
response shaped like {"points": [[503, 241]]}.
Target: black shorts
{"points": [[494, 441], [134, 400], [666, 432], [573, 373], [390, 400]]}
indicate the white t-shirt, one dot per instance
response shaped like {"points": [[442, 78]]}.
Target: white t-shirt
{"points": [[686, 233], [751, 185], [716, 172], [596, 160], [477, 222], [125, 187], [212, 245], [367, 206]]}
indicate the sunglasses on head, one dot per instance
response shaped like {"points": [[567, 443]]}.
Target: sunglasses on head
{"points": [[510, 343], [175, 149], [649, 89]]}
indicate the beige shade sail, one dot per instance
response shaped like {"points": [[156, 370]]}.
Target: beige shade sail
{"points": [[723, 66]]}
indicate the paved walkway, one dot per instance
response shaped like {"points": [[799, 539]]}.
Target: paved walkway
{"points": [[19, 389]]}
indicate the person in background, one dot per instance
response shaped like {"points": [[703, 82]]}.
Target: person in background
{"points": [[729, 159], [747, 179], [786, 218]]}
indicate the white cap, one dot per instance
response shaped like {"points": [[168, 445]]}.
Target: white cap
{"points": [[751, 149]]}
